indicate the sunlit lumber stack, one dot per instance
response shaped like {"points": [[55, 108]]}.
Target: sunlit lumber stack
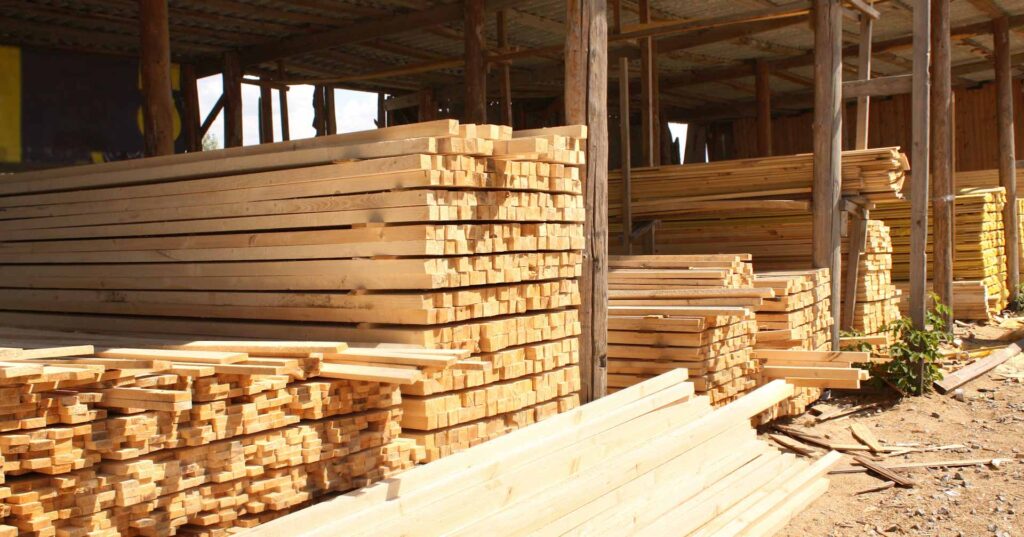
{"points": [[985, 179], [651, 459], [809, 372], [978, 255], [438, 235], [156, 435], [670, 192], [692, 311], [799, 315], [971, 299], [877, 302]]}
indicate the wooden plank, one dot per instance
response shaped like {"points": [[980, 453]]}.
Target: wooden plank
{"points": [[865, 436], [966, 374], [373, 373], [855, 248], [885, 472], [877, 87], [198, 357]]}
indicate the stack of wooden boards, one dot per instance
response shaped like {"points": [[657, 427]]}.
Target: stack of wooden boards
{"points": [[671, 192], [439, 235], [809, 372], [116, 435], [878, 300], [979, 257], [693, 312], [798, 316], [653, 459]]}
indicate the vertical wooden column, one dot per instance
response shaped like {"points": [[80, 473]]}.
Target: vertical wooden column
{"points": [[649, 123], [232, 80], [942, 154], [283, 96], [330, 114], [867, 30], [625, 157], [856, 237], [266, 115], [764, 109], [319, 109], [190, 120], [476, 63], [587, 40], [382, 112], [828, 127], [1007, 157], [155, 64], [919, 157], [504, 72]]}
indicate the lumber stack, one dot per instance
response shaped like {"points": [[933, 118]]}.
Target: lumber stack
{"points": [[668, 464], [678, 311], [878, 299], [114, 435], [702, 190], [438, 235], [809, 372], [979, 254], [799, 314]]}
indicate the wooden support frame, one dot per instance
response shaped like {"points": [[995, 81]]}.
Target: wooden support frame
{"points": [[1007, 156], [232, 81], [211, 117], [190, 120], [283, 105], [504, 70], [155, 66], [919, 152], [856, 237], [475, 70], [941, 147], [330, 111], [625, 157], [266, 115], [764, 108], [586, 51], [319, 109], [649, 121], [828, 124], [867, 31]]}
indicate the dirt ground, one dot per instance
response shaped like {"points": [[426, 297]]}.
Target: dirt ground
{"points": [[981, 500]]}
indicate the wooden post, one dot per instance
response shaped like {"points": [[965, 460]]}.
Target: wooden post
{"points": [[155, 64], [266, 116], [696, 144], [475, 110], [827, 189], [504, 72], [382, 112], [856, 242], [649, 124], [319, 115], [232, 80], [330, 115], [867, 28], [942, 156], [587, 38], [427, 109], [919, 154], [764, 109], [624, 141], [283, 96], [190, 113], [1007, 158]]}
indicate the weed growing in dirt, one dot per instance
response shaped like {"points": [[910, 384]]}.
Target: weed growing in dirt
{"points": [[912, 346]]}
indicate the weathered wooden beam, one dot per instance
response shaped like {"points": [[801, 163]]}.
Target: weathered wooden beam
{"points": [[919, 152], [877, 87], [266, 116], [626, 203], [856, 242], [283, 96], [211, 117], [1007, 157], [764, 110], [865, 8], [649, 123], [504, 71], [828, 144], [155, 64], [867, 30], [575, 63], [232, 81], [475, 70], [330, 111], [942, 155], [190, 109]]}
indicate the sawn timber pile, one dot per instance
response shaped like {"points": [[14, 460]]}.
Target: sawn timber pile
{"points": [[653, 459], [438, 235]]}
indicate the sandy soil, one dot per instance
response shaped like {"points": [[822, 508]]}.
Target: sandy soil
{"points": [[979, 500]]}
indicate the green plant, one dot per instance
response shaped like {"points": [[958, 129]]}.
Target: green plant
{"points": [[1017, 300], [860, 346], [915, 353]]}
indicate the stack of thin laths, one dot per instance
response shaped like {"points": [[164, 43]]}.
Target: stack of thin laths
{"points": [[438, 235], [652, 459], [116, 435], [979, 254]]}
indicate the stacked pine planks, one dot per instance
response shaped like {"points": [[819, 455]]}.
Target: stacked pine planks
{"points": [[653, 459], [439, 235], [156, 435], [809, 372], [693, 312], [979, 254], [798, 316], [701, 190], [878, 300]]}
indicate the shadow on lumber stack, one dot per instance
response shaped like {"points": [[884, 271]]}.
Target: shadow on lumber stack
{"points": [[155, 435], [653, 459], [438, 235]]}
